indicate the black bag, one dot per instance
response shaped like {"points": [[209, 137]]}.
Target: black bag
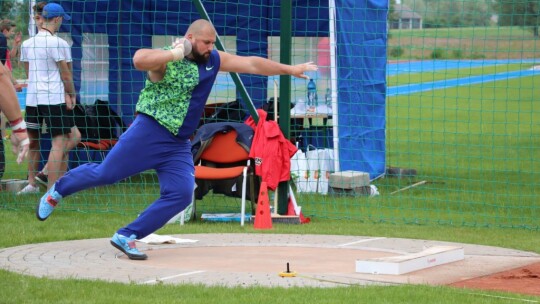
{"points": [[231, 111], [98, 121], [268, 107]]}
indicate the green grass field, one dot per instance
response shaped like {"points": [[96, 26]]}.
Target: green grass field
{"points": [[478, 143], [469, 42], [492, 32]]}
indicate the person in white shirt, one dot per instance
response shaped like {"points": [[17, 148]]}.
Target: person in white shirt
{"points": [[34, 156], [51, 94]]}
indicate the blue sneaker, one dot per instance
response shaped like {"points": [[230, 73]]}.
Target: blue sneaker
{"points": [[47, 204], [127, 246]]}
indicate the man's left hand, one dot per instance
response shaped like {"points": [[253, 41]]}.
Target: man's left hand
{"points": [[300, 69]]}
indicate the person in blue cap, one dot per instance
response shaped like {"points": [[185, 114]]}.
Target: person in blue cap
{"points": [[34, 177], [53, 10], [51, 92]]}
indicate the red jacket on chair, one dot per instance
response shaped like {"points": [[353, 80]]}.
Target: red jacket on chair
{"points": [[271, 151]]}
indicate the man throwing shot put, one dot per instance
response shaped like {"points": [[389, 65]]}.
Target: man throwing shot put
{"points": [[179, 81]]}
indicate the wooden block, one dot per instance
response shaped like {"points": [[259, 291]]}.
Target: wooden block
{"points": [[349, 179], [13, 185], [397, 265]]}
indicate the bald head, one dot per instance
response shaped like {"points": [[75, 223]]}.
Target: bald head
{"points": [[200, 27]]}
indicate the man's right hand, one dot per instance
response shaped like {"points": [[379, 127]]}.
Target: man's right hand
{"points": [[18, 39], [181, 48], [18, 87], [70, 101]]}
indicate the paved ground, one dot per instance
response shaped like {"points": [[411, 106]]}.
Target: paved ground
{"points": [[254, 259]]}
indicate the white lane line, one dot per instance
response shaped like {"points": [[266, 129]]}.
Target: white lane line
{"points": [[361, 241], [501, 297], [174, 276]]}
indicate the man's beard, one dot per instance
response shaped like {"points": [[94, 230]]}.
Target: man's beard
{"points": [[198, 57]]}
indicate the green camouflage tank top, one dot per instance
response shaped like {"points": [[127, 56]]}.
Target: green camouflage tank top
{"points": [[167, 101]]}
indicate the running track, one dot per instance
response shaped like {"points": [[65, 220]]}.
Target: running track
{"points": [[435, 65]]}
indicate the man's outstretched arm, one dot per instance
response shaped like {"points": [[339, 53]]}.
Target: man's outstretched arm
{"points": [[262, 66]]}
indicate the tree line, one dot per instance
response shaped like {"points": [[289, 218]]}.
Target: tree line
{"points": [[469, 13]]}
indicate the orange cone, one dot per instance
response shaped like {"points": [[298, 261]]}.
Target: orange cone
{"points": [[263, 219], [291, 211]]}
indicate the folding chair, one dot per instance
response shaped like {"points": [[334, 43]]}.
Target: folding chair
{"points": [[224, 159]]}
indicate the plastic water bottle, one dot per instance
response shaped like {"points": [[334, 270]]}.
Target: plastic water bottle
{"points": [[328, 98], [311, 94]]}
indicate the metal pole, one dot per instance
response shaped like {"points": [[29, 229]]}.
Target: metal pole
{"points": [[333, 83], [32, 22], [285, 92]]}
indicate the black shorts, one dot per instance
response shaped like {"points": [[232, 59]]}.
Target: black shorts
{"points": [[58, 119]]}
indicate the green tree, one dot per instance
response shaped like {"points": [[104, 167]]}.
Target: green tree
{"points": [[451, 13], [524, 13], [6, 9], [392, 14], [16, 11]]}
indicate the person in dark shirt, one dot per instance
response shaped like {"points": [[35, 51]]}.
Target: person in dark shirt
{"points": [[7, 27]]}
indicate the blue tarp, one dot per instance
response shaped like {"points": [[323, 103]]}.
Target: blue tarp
{"points": [[361, 53]]}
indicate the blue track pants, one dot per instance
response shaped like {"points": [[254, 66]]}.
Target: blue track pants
{"points": [[145, 145]]}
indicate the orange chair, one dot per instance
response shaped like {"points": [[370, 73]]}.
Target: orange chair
{"points": [[101, 148], [224, 159]]}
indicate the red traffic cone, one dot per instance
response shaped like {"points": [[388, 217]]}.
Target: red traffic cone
{"points": [[263, 219], [291, 211]]}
